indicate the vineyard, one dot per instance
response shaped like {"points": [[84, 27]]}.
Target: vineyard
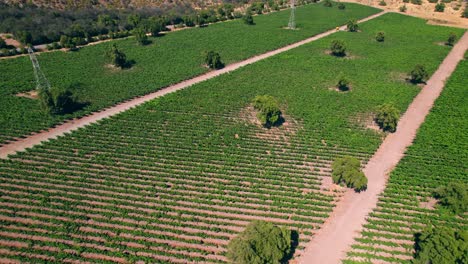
{"points": [[169, 59], [173, 180], [438, 157]]}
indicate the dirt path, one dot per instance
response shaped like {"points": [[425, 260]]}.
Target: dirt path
{"points": [[337, 234], [71, 125]]}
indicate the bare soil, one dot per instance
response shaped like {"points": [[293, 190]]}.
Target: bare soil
{"points": [[31, 94], [339, 231]]}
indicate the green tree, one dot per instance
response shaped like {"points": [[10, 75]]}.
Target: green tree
{"points": [[140, 35], [134, 20], [213, 60], [347, 170], [24, 37], [451, 39], [454, 197], [440, 7], [268, 109], [327, 3], [442, 246], [117, 57], [57, 100], [341, 6], [248, 18], [3, 44], [380, 37], [343, 83], [352, 25], [338, 48], [387, 117], [261, 242], [67, 42], [419, 74]]}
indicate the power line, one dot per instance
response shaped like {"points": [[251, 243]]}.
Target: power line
{"points": [[292, 17], [41, 80]]}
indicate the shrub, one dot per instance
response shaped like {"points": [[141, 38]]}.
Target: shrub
{"points": [[387, 117], [248, 18], [327, 3], [343, 84], [382, 3], [140, 36], [268, 109], [67, 42], [380, 37], [433, 1], [441, 245], [416, 2], [419, 74], [347, 170], [3, 44], [338, 48], [261, 242], [57, 100], [117, 57], [465, 13], [341, 6], [451, 39], [213, 60], [403, 8], [352, 26], [440, 7], [454, 197]]}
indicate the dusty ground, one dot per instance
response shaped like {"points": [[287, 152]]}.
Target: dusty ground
{"points": [[450, 17]]}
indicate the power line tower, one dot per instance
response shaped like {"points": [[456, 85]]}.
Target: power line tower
{"points": [[41, 80], [292, 17]]}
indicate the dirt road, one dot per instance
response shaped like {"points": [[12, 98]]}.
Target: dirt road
{"points": [[337, 234], [68, 126]]}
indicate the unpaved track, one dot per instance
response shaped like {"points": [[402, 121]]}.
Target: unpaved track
{"points": [[71, 125], [337, 234]]}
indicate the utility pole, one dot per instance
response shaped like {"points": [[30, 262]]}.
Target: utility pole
{"points": [[41, 80]]}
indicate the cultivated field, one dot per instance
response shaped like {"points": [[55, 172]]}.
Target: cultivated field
{"points": [[439, 156], [167, 60], [175, 179]]}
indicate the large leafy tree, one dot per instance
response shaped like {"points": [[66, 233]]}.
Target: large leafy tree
{"points": [[454, 197], [117, 57], [261, 242], [347, 170], [441, 246], [268, 109], [57, 100], [387, 117]]}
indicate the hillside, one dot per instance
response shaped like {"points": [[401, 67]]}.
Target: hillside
{"points": [[67, 4]]}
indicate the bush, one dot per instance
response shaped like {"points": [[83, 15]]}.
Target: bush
{"points": [[268, 109], [347, 170], [213, 60], [3, 44], [441, 245], [341, 6], [352, 26], [433, 1], [117, 57], [67, 42], [440, 7], [343, 84], [403, 8], [454, 197], [261, 242], [419, 74], [338, 48], [465, 13], [416, 2], [387, 117], [327, 3], [57, 101], [248, 18], [380, 37], [382, 3], [451, 39], [140, 36]]}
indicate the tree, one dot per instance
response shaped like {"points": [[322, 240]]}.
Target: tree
{"points": [[213, 60], [3, 44], [134, 20], [347, 170], [248, 19], [343, 84], [352, 26], [454, 197], [67, 42], [387, 117], [268, 109], [419, 74], [25, 37], [57, 100], [140, 35], [341, 6], [327, 3], [338, 48], [403, 8], [440, 7], [380, 37], [117, 57], [451, 39], [441, 245], [261, 242]]}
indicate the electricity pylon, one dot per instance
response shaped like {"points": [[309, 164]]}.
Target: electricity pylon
{"points": [[41, 80], [292, 17]]}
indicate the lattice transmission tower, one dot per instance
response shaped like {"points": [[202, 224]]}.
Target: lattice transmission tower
{"points": [[41, 80], [292, 17]]}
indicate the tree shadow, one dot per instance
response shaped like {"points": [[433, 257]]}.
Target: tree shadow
{"points": [[128, 64], [294, 244], [278, 123]]}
